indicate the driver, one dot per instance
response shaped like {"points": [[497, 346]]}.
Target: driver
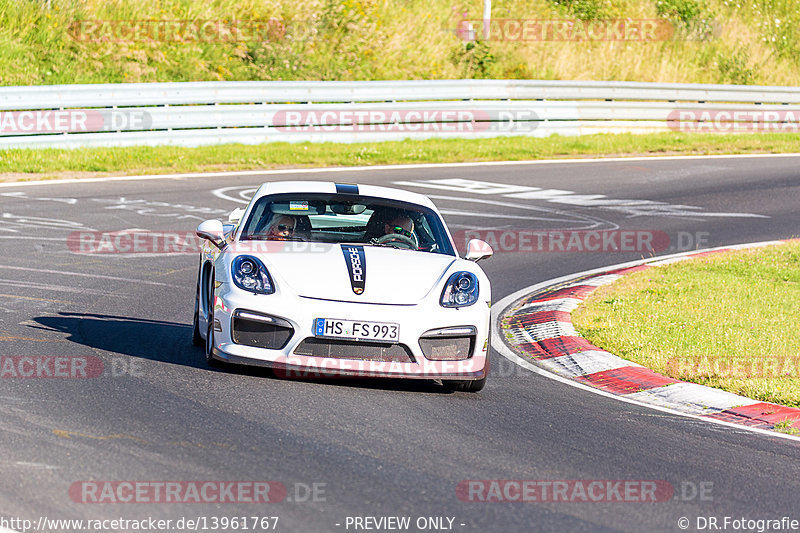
{"points": [[399, 225]]}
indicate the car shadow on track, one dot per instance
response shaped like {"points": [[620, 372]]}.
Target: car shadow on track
{"points": [[169, 342]]}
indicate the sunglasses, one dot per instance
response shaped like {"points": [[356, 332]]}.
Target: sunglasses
{"points": [[401, 231], [284, 227]]}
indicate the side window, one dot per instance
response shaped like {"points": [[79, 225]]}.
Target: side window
{"points": [[256, 218], [428, 238]]}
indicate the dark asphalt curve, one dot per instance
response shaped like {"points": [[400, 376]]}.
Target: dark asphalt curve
{"points": [[348, 449]]}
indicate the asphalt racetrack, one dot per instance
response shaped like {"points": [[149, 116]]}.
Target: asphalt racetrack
{"points": [[353, 453]]}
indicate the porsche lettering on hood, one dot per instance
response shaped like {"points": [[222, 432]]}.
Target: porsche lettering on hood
{"points": [[395, 276], [356, 265]]}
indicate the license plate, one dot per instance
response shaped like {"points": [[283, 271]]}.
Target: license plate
{"points": [[357, 329]]}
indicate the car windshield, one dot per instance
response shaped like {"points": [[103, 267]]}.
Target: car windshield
{"points": [[347, 219]]}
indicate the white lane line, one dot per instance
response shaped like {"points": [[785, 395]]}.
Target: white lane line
{"points": [[84, 275], [58, 288], [559, 196], [597, 281], [25, 237], [278, 172], [11, 220], [243, 198], [27, 464], [498, 309], [473, 214], [547, 210], [670, 261]]}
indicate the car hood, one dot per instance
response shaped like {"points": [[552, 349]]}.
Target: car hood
{"points": [[357, 273]]}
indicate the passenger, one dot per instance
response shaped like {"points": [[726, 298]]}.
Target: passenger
{"points": [[281, 227]]}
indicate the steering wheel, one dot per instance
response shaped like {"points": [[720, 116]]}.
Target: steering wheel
{"points": [[397, 239]]}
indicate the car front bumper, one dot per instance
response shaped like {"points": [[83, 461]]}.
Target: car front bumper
{"points": [[301, 312]]}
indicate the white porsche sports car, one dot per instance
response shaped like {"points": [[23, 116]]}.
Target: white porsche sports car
{"points": [[328, 279]]}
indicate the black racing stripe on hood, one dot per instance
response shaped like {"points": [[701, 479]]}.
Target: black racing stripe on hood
{"points": [[346, 188], [356, 261]]}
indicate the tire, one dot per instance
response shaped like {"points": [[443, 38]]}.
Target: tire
{"points": [[467, 385], [470, 385], [209, 344], [209, 341], [197, 339]]}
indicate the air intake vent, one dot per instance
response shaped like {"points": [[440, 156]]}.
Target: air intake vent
{"points": [[448, 344], [341, 349], [260, 331]]}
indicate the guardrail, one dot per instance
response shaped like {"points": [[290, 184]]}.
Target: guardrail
{"points": [[203, 113]]}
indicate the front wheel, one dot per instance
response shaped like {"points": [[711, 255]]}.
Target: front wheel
{"points": [[469, 385], [210, 342], [197, 339]]}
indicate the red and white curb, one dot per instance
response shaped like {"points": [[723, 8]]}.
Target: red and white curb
{"points": [[537, 328]]}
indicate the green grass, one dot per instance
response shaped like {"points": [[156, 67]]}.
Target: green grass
{"points": [[750, 42], [28, 164], [731, 41], [727, 321], [786, 427]]}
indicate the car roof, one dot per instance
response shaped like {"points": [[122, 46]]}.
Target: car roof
{"points": [[330, 187]]}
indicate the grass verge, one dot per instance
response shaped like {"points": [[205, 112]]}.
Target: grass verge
{"points": [[30, 164], [97, 41], [728, 320]]}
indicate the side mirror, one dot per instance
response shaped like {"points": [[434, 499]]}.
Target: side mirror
{"points": [[212, 231], [236, 215], [477, 250]]}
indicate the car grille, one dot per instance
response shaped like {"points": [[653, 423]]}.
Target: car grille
{"points": [[343, 349], [260, 331]]}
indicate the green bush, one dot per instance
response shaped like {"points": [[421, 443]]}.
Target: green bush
{"points": [[687, 11], [584, 9], [474, 58], [408, 39], [734, 68]]}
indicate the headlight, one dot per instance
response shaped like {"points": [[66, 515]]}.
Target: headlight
{"points": [[461, 290], [251, 275]]}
